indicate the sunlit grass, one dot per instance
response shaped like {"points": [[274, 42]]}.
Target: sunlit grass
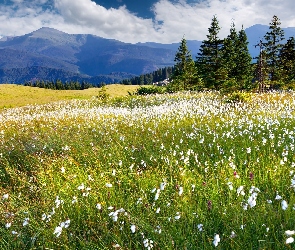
{"points": [[17, 95], [181, 171]]}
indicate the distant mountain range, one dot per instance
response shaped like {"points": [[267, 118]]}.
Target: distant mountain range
{"points": [[49, 54]]}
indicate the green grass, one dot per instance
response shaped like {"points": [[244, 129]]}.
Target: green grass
{"points": [[176, 164]]}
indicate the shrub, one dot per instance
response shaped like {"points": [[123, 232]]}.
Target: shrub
{"points": [[238, 97], [150, 90]]}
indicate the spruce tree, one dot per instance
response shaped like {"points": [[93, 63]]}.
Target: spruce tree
{"points": [[185, 74], [229, 60], [209, 59], [273, 44], [287, 61], [244, 68]]}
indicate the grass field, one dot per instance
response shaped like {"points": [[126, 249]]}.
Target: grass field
{"points": [[179, 171], [17, 95]]}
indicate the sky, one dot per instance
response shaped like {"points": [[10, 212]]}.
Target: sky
{"points": [[132, 21]]}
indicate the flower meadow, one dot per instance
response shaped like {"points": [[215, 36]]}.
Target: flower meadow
{"points": [[173, 171]]}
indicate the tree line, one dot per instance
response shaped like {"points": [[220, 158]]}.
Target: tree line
{"points": [[226, 64], [59, 85], [150, 78]]}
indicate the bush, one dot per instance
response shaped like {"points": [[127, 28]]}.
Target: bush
{"points": [[150, 90], [238, 97]]}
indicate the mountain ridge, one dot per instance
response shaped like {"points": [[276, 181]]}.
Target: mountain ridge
{"points": [[51, 53]]}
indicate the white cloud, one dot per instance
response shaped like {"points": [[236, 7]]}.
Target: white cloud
{"points": [[171, 22]]}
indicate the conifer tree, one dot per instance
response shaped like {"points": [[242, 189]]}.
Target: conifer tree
{"points": [[229, 60], [273, 44], [287, 60], [236, 57], [185, 74], [244, 68], [209, 59]]}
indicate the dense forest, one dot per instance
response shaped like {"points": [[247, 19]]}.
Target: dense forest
{"points": [[59, 85], [150, 78], [226, 64]]}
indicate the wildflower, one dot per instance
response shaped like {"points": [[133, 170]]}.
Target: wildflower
{"points": [[133, 228], [158, 230], [26, 221], [252, 200], [248, 150], [233, 234], [216, 240], [158, 210], [63, 170], [236, 175], [209, 205], [284, 205], [177, 217], [14, 232], [200, 227], [157, 194], [289, 232], [240, 191], [180, 191], [58, 202], [148, 244], [289, 240], [67, 223], [81, 187], [193, 187], [5, 196], [278, 197], [109, 185], [74, 200], [8, 225], [162, 186], [43, 216], [57, 231], [98, 206], [251, 176], [230, 185]]}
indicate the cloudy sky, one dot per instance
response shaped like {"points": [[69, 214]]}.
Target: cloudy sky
{"points": [[164, 21]]}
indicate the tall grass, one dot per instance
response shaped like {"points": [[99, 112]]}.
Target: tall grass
{"points": [[180, 171]]}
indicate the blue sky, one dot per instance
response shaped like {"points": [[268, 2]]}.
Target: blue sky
{"points": [[133, 21]]}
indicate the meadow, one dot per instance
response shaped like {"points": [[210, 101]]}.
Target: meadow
{"points": [[12, 95], [172, 171]]}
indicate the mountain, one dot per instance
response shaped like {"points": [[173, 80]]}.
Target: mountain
{"points": [[50, 54], [84, 57]]}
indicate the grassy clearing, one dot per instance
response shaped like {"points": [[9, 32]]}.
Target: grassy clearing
{"points": [[16, 95], [181, 171]]}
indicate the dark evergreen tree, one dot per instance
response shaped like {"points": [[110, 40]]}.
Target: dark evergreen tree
{"points": [[229, 60], [287, 61], [209, 60], [244, 66], [273, 44], [185, 74]]}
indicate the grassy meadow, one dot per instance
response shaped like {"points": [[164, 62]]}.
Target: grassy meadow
{"points": [[12, 96], [172, 171]]}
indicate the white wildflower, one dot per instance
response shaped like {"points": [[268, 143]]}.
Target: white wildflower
{"points": [[133, 228], [289, 240], [284, 204], [216, 240]]}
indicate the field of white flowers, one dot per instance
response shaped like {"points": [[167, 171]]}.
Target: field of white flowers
{"points": [[179, 171]]}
